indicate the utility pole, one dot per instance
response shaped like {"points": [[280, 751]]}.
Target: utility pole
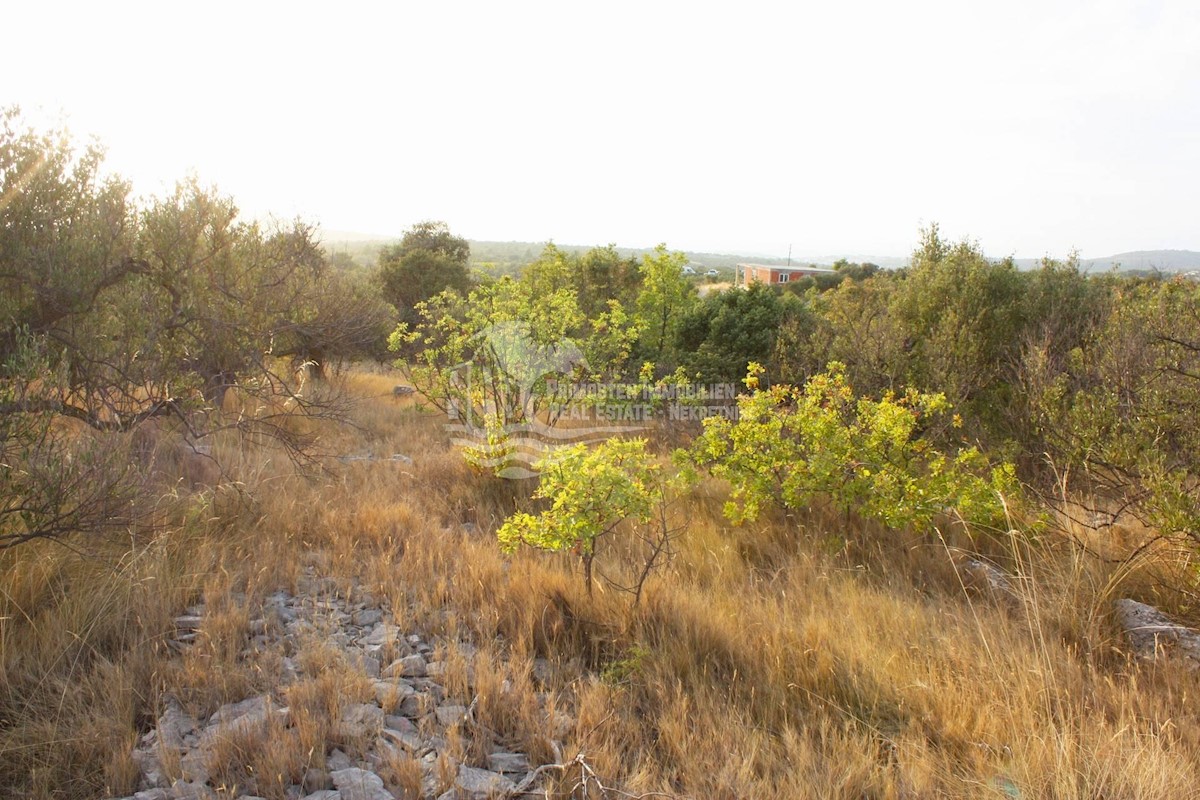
{"points": [[789, 255]]}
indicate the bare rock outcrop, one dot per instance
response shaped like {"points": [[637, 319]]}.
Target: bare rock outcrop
{"points": [[1152, 634], [410, 713]]}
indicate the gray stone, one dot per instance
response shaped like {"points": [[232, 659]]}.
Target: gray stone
{"points": [[543, 671], [410, 740], [368, 617], [481, 784], [336, 614], [252, 709], [301, 627], [147, 763], [983, 576], [1152, 633], [360, 721], [412, 706], [358, 784], [434, 690], [561, 724], [364, 662], [184, 790], [194, 765], [153, 794], [450, 715], [408, 667], [316, 779], [392, 693], [398, 723], [508, 762], [383, 633], [338, 760], [290, 669]]}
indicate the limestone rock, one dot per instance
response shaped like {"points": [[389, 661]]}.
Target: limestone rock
{"points": [[383, 633], [398, 723], [359, 784], [316, 779], [408, 667], [360, 721], [481, 784], [412, 706], [513, 763], [391, 693], [1152, 633], [338, 760], [364, 662], [185, 790], [368, 617], [408, 740], [543, 672], [153, 794], [249, 711], [411, 687], [450, 715], [983, 576]]}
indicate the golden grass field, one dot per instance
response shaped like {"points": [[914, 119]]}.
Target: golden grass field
{"points": [[801, 656]]}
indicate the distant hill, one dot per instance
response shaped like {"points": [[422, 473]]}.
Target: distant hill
{"points": [[364, 248], [502, 257], [1134, 261], [1147, 260], [520, 253]]}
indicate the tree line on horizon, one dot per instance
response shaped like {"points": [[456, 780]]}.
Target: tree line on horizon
{"points": [[119, 312]]}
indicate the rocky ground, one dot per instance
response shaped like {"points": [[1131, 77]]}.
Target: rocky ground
{"points": [[417, 736], [360, 707]]}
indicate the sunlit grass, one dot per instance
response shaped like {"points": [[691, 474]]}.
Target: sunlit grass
{"points": [[802, 656]]}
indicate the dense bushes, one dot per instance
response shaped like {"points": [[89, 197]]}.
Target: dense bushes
{"points": [[796, 446], [1091, 377], [114, 313]]}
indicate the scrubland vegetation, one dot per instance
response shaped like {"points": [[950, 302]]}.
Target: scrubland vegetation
{"points": [[783, 605]]}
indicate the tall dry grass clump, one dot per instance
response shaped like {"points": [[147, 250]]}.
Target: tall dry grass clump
{"points": [[801, 656]]}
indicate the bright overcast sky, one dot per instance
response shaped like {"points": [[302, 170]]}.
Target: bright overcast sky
{"points": [[1033, 127]]}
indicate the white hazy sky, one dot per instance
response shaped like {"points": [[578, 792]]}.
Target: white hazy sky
{"points": [[1033, 127]]}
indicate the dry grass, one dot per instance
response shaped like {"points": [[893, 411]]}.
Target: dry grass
{"points": [[800, 657]]}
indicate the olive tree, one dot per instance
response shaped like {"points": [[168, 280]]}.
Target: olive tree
{"points": [[113, 315]]}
